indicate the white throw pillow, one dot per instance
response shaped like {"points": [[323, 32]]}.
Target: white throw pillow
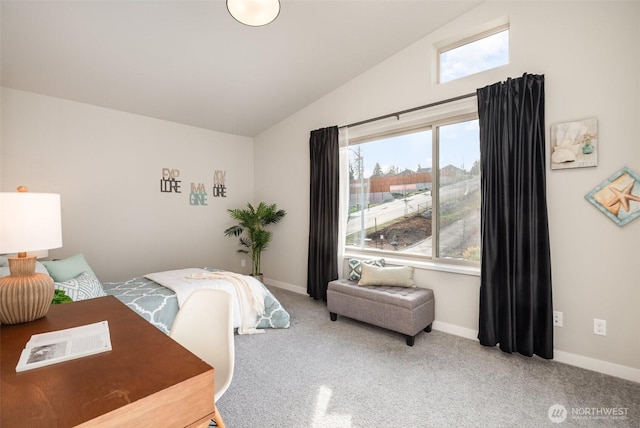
{"points": [[397, 276], [82, 287]]}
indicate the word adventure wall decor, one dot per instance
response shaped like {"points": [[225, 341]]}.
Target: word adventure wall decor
{"points": [[219, 186]]}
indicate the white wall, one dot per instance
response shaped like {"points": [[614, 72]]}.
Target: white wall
{"points": [[107, 167], [588, 54]]}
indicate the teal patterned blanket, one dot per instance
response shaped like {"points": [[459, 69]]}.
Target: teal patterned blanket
{"points": [[159, 305]]}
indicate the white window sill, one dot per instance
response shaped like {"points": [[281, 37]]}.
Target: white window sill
{"points": [[419, 264]]}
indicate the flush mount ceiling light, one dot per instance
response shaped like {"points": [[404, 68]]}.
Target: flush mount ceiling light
{"points": [[254, 13]]}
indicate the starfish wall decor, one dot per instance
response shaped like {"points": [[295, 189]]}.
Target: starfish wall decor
{"points": [[618, 197]]}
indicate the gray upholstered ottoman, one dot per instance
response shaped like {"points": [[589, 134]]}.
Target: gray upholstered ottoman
{"points": [[406, 310]]}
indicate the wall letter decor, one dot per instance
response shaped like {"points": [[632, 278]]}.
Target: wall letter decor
{"points": [[219, 186], [169, 182], [198, 195]]}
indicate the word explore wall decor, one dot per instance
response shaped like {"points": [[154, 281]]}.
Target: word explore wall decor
{"points": [[169, 182]]}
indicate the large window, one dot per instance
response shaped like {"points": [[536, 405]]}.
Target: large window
{"points": [[415, 192]]}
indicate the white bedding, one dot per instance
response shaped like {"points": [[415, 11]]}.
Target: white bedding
{"points": [[248, 294]]}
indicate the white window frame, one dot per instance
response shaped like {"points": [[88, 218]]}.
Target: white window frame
{"points": [[465, 41], [429, 118]]}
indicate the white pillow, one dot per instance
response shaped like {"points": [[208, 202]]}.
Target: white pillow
{"points": [[82, 287], [398, 276]]}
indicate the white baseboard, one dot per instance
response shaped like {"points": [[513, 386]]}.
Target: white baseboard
{"points": [[612, 369], [605, 367], [467, 333], [285, 286]]}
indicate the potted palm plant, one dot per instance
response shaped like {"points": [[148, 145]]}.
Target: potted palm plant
{"points": [[256, 239]]}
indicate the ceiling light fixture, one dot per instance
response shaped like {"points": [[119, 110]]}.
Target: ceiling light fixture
{"points": [[254, 13]]}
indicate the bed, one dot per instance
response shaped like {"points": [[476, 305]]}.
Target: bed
{"points": [[159, 304], [255, 307]]}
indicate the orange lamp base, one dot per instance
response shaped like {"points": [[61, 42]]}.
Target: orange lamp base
{"points": [[24, 295]]}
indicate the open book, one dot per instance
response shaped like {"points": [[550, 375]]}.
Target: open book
{"points": [[63, 345]]}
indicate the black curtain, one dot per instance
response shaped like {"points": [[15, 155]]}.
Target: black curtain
{"points": [[516, 308], [322, 265]]}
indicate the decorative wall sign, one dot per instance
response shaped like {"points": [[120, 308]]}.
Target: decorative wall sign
{"points": [[618, 197], [198, 195], [169, 182], [219, 186], [574, 144]]}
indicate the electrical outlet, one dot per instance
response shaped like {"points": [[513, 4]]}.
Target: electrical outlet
{"points": [[557, 319], [243, 263], [599, 327]]}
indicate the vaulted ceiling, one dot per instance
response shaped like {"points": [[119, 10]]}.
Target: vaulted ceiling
{"points": [[191, 62]]}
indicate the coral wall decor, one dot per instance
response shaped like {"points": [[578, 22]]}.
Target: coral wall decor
{"points": [[618, 197]]}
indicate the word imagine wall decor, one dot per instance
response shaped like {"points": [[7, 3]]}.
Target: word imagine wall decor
{"points": [[198, 195]]}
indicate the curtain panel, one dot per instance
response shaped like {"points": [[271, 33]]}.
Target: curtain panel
{"points": [[516, 308], [322, 265]]}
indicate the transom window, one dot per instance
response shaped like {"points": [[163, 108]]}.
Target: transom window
{"points": [[472, 55], [414, 192]]}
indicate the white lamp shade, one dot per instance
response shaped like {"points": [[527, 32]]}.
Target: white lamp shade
{"points": [[254, 12], [29, 222]]}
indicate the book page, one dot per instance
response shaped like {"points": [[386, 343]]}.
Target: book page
{"points": [[64, 345]]}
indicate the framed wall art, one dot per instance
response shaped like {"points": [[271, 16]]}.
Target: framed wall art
{"points": [[618, 197], [574, 144]]}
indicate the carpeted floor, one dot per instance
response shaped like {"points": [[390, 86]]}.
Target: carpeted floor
{"points": [[320, 373]]}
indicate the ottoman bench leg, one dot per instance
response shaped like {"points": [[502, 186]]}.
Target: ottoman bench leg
{"points": [[411, 339], [333, 316]]}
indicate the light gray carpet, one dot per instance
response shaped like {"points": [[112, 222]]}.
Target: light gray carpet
{"points": [[320, 373]]}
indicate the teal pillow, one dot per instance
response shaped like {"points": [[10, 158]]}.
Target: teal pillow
{"points": [[69, 268]]}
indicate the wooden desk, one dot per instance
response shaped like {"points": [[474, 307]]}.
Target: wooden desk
{"points": [[147, 380]]}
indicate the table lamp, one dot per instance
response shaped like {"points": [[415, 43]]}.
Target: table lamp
{"points": [[28, 222]]}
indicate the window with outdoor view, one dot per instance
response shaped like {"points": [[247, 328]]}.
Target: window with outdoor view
{"points": [[475, 54], [416, 193]]}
